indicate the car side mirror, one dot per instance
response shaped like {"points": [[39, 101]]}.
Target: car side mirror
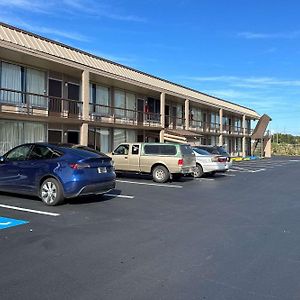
{"points": [[113, 153]]}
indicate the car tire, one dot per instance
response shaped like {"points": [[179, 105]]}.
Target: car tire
{"points": [[160, 174], [198, 171], [51, 192]]}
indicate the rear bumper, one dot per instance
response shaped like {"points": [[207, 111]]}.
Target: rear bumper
{"points": [[92, 189], [214, 167]]}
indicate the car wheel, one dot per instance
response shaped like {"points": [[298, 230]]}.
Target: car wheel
{"points": [[160, 174], [198, 171], [51, 192]]}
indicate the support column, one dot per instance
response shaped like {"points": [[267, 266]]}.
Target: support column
{"points": [[85, 96], [187, 114], [162, 116], [221, 127], [267, 145], [244, 136]]}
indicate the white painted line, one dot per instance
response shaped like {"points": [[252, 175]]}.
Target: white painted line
{"points": [[256, 171], [119, 196], [30, 210], [204, 179], [229, 175], [295, 160], [152, 184]]}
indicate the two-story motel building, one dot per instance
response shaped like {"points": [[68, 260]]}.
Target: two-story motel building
{"points": [[53, 92]]}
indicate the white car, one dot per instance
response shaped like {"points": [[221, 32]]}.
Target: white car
{"points": [[209, 163]]}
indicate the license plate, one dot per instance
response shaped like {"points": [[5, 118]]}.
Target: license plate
{"points": [[102, 170]]}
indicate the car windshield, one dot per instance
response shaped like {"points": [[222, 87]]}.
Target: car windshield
{"points": [[201, 151]]}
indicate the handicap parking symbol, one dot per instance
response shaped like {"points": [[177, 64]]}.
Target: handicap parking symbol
{"points": [[7, 222]]}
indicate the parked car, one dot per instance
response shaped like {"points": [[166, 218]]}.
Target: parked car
{"points": [[207, 163], [163, 161], [55, 172], [217, 150]]}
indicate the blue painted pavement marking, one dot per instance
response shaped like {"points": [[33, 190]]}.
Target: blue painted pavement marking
{"points": [[7, 222]]}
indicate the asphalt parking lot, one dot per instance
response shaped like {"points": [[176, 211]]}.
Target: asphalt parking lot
{"points": [[232, 236]]}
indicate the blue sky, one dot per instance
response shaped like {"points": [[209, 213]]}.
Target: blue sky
{"points": [[242, 51]]}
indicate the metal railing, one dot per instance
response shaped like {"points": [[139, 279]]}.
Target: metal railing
{"points": [[117, 115], [12, 101], [204, 126]]}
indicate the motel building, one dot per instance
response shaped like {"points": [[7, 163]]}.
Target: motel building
{"points": [[53, 92]]}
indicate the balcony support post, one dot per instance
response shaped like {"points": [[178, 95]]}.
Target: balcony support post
{"points": [[162, 116], [221, 127], [244, 137], [187, 113], [85, 96]]}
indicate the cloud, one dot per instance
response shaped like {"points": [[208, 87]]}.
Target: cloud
{"points": [[71, 7], [28, 5], [248, 82], [276, 35], [97, 9], [44, 30]]}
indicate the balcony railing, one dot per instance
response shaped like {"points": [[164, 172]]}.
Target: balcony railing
{"points": [[117, 115], [174, 122], [12, 101], [205, 127]]}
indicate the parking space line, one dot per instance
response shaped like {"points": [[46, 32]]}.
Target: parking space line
{"points": [[152, 184], [119, 196], [30, 210]]}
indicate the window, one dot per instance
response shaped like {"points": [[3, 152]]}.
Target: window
{"points": [[100, 99], [20, 153], [160, 149], [131, 106], [135, 149], [130, 136], [122, 150], [119, 136], [13, 133], [35, 83], [11, 79], [151, 149], [120, 100], [186, 150], [42, 152]]}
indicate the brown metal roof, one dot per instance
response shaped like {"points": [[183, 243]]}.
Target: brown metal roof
{"points": [[33, 42]]}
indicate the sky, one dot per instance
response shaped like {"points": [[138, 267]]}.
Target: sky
{"points": [[242, 51]]}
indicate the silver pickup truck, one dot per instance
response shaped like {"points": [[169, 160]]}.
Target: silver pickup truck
{"points": [[163, 161]]}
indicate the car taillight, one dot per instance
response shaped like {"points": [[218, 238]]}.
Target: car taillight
{"points": [[222, 159], [79, 166], [180, 162]]}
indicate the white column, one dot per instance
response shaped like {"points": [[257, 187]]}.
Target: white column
{"points": [[221, 127], [244, 137], [85, 96], [162, 116], [187, 114]]}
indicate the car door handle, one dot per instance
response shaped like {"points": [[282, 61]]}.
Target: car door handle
{"points": [[126, 157]]}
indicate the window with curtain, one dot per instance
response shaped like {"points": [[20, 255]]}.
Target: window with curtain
{"points": [[14, 133], [11, 78], [102, 98], [130, 136], [36, 83], [105, 140], [120, 103], [34, 132], [179, 114], [119, 137], [10, 135], [131, 104]]}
